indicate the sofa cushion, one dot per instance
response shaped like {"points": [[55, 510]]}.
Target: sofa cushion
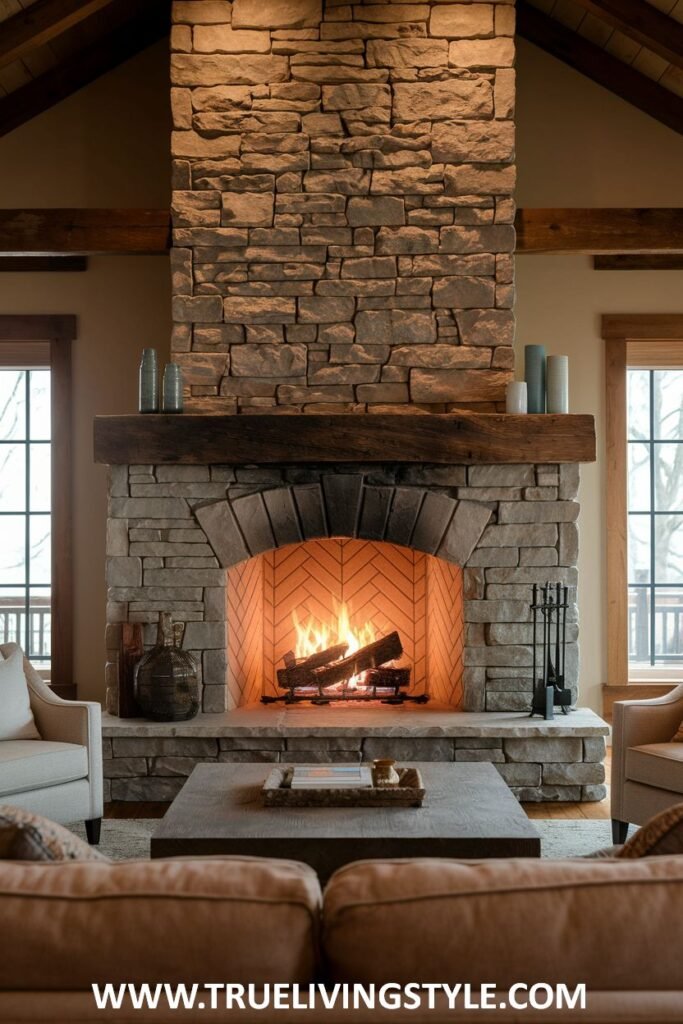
{"points": [[16, 717], [242, 919], [508, 921], [36, 764], [27, 836], [656, 764]]}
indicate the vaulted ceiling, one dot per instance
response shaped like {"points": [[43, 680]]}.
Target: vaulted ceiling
{"points": [[51, 48]]}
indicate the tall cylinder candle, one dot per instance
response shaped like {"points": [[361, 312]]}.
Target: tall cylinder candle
{"points": [[534, 375], [558, 384]]}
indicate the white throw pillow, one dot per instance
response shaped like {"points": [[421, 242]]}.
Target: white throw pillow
{"points": [[16, 717]]}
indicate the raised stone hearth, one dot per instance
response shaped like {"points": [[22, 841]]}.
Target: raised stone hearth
{"points": [[558, 760]]}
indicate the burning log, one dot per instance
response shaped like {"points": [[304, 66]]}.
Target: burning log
{"points": [[393, 678], [374, 655], [301, 673]]}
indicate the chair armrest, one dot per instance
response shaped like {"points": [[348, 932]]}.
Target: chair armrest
{"points": [[634, 723], [70, 721]]}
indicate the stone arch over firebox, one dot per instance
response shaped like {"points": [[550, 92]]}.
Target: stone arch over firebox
{"points": [[343, 505]]}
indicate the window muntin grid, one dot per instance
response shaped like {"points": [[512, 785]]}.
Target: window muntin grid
{"points": [[25, 511], [655, 516]]}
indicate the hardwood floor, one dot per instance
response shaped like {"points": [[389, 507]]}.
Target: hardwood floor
{"points": [[601, 809]]}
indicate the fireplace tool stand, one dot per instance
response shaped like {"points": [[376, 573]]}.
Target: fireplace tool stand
{"points": [[549, 608]]}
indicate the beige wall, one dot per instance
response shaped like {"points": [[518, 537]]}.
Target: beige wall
{"points": [[105, 146], [578, 145]]}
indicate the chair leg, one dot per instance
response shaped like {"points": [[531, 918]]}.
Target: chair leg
{"points": [[619, 831], [92, 830]]}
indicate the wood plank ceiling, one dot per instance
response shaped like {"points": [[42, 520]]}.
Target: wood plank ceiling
{"points": [[51, 48], [632, 47]]}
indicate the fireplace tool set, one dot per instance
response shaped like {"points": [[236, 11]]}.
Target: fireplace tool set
{"points": [[332, 675], [549, 608]]}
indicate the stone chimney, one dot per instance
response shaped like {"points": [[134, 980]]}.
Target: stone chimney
{"points": [[342, 205]]}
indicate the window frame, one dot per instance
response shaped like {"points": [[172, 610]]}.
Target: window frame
{"points": [[30, 341], [647, 341]]}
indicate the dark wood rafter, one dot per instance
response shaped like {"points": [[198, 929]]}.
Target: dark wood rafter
{"points": [[600, 66], [44, 20], [634, 261], [93, 58], [643, 23], [42, 264], [51, 337], [53, 232], [600, 230], [438, 438]]}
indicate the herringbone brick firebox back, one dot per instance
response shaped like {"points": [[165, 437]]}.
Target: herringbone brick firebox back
{"points": [[342, 204]]}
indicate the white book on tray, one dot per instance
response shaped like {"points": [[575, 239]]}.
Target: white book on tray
{"points": [[331, 776]]}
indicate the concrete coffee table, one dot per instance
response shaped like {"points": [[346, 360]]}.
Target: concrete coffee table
{"points": [[468, 812]]}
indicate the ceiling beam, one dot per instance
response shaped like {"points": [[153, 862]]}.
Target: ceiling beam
{"points": [[84, 232], [642, 23], [616, 232], [80, 68], [630, 261], [598, 65], [608, 230], [44, 20]]}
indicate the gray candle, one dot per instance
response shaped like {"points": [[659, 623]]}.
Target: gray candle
{"points": [[558, 383], [172, 388], [148, 394], [534, 375]]}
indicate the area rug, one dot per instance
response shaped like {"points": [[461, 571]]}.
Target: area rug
{"points": [[123, 839]]}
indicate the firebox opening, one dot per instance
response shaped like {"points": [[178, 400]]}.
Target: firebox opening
{"points": [[398, 611]]}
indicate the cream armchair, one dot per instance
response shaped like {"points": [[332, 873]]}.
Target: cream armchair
{"points": [[647, 768], [59, 775]]}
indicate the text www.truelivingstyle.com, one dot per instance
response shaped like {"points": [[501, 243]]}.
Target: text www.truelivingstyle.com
{"points": [[317, 997]]}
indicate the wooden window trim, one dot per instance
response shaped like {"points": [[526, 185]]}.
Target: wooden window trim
{"points": [[630, 340], [48, 339]]}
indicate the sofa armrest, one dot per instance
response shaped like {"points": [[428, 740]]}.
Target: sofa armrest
{"points": [[636, 722]]}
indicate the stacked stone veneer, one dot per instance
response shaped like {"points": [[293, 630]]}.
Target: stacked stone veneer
{"points": [[536, 768], [174, 531], [342, 211]]}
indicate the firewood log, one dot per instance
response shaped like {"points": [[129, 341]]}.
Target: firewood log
{"points": [[388, 648], [301, 673]]}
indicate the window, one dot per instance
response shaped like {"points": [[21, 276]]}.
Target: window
{"points": [[35, 492], [644, 497], [655, 517], [25, 512]]}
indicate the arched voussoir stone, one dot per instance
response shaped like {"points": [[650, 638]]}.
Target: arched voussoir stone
{"points": [[343, 505]]}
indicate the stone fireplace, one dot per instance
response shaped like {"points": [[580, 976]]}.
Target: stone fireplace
{"points": [[343, 235]]}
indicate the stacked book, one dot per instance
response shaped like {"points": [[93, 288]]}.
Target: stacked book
{"points": [[331, 776]]}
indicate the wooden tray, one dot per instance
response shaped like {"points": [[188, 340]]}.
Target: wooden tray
{"points": [[277, 792]]}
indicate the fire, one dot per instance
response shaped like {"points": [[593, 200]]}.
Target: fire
{"points": [[313, 636]]}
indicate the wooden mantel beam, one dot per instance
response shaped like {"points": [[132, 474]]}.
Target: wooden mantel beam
{"points": [[84, 232], [643, 23], [600, 66], [600, 230], [399, 437], [44, 20], [609, 230]]}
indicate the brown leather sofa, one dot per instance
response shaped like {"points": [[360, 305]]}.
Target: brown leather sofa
{"points": [[615, 926]]}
